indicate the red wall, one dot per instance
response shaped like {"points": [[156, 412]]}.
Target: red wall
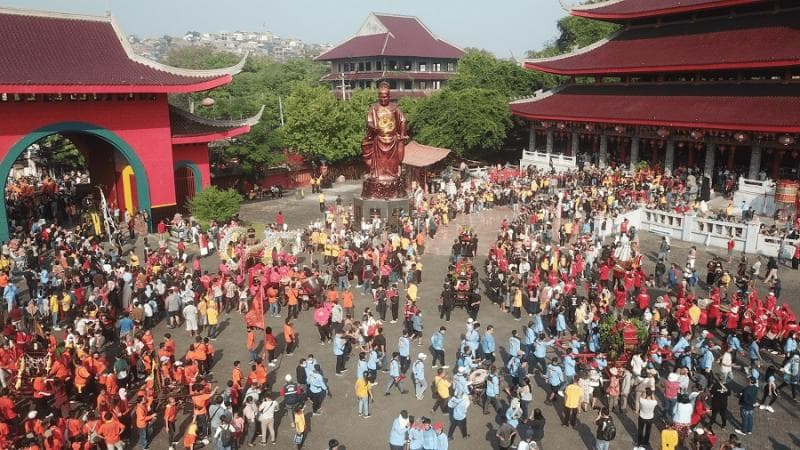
{"points": [[196, 153], [143, 124]]}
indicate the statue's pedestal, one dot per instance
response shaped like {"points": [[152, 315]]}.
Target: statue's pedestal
{"points": [[388, 210]]}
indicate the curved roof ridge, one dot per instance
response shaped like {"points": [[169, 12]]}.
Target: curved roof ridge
{"points": [[111, 20], [576, 52], [221, 123], [541, 96], [196, 73], [587, 6]]}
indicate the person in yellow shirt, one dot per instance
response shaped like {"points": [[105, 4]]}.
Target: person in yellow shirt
{"points": [[212, 316], [669, 438], [54, 307], [363, 390], [442, 390], [572, 399]]}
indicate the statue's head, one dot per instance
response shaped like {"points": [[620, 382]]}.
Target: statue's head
{"points": [[384, 93]]}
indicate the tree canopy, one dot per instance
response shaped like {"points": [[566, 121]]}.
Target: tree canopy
{"points": [[261, 82], [464, 120], [575, 32], [319, 125]]}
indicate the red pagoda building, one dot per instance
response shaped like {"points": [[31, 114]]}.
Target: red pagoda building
{"points": [[76, 76], [710, 84], [400, 50]]}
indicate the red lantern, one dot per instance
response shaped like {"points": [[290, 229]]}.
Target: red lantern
{"points": [[740, 137], [786, 139], [680, 144], [662, 132], [546, 124], [619, 129], [697, 135]]}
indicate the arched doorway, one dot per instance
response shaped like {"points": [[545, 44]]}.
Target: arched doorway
{"points": [[76, 131], [188, 182]]}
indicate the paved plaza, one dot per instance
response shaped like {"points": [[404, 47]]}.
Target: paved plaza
{"points": [[340, 419]]}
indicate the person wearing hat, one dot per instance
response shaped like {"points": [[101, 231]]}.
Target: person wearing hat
{"points": [[418, 372]]}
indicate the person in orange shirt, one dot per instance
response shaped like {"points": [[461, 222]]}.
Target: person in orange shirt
{"points": [[81, 379], [291, 301], [169, 344], [191, 435], [170, 419], [288, 336], [200, 399], [270, 344], [111, 431], [236, 374], [190, 372], [257, 375], [252, 344], [144, 422], [59, 370], [347, 302]]}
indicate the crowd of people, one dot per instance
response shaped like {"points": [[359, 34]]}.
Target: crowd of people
{"points": [[82, 368]]}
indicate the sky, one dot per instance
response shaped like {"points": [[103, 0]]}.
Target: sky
{"points": [[508, 27]]}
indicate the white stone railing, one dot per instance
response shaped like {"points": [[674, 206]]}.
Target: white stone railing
{"points": [[543, 159], [756, 187]]}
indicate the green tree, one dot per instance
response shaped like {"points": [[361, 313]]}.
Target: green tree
{"points": [[262, 82], [214, 204], [480, 69], [466, 121], [575, 32], [319, 125]]}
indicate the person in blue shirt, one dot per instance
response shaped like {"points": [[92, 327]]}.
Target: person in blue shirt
{"points": [[754, 353], [492, 390], [575, 345], [338, 350], [555, 377], [561, 323], [529, 338], [706, 359], [428, 435], [594, 341], [460, 382], [789, 348], [363, 366], [125, 325], [441, 439], [681, 345], [537, 325], [437, 345], [458, 414], [398, 435], [415, 434], [473, 338], [395, 376], [404, 350], [513, 366], [317, 388], [540, 351], [569, 368], [418, 371], [372, 365], [487, 344], [514, 344]]}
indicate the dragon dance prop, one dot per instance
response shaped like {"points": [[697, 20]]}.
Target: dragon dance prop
{"points": [[232, 244]]}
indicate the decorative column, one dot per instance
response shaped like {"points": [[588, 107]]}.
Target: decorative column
{"points": [[711, 152], [550, 138], [634, 152], [532, 138], [603, 156], [755, 162], [669, 158], [575, 143]]}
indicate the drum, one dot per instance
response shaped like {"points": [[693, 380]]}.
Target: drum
{"points": [[478, 376], [786, 191]]}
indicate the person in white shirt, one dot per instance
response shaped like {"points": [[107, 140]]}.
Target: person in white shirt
{"points": [[647, 407]]}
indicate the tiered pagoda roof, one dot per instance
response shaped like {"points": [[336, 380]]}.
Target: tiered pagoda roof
{"points": [[755, 41], [393, 35], [188, 128], [710, 65], [624, 10], [729, 106], [54, 53]]}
